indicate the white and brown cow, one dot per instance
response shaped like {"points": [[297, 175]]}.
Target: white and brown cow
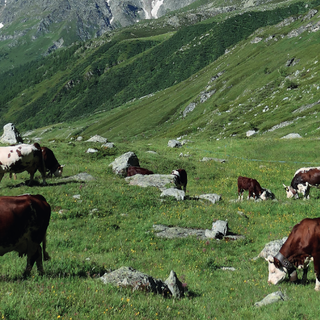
{"points": [[180, 179], [302, 246], [22, 157], [132, 170], [51, 163], [252, 185], [23, 225], [303, 179]]}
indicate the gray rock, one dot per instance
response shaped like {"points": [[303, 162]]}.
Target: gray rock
{"points": [[159, 181], [189, 108], [212, 197], [250, 133], [173, 192], [120, 164], [81, 177], [108, 145], [205, 159], [174, 144], [152, 152], [272, 248], [218, 231], [174, 285], [177, 232], [97, 138], [79, 138], [272, 298], [10, 134], [292, 136], [90, 150], [129, 277]]}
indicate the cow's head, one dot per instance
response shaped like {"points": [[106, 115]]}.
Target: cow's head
{"points": [[175, 173], [291, 193], [58, 172], [277, 272], [267, 194]]}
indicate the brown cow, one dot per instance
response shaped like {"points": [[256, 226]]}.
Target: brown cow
{"points": [[51, 163], [180, 179], [252, 185], [23, 225], [303, 179], [302, 245], [132, 170]]}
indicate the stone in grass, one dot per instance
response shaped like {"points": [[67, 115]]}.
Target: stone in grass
{"points": [[272, 248], [272, 298], [218, 231], [172, 192], [175, 286]]}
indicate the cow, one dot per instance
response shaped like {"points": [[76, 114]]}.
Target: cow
{"points": [[22, 157], [252, 185], [303, 179], [301, 247], [180, 179], [132, 170], [51, 163], [23, 225]]}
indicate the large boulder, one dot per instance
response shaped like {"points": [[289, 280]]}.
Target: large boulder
{"points": [[152, 180], [122, 163], [98, 138], [218, 231], [10, 134], [136, 280], [272, 248], [174, 144], [173, 192]]}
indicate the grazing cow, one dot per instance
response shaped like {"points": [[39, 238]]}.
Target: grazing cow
{"points": [[132, 170], [302, 180], [252, 185], [180, 179], [51, 163], [22, 157], [23, 225], [302, 246]]}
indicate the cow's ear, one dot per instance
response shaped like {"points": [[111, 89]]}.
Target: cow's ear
{"points": [[270, 259]]}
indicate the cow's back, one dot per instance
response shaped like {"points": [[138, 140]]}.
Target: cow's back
{"points": [[20, 217]]}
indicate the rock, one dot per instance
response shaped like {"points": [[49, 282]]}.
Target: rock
{"points": [[174, 285], [81, 177], [250, 133], [10, 134], [108, 145], [205, 159], [79, 138], [152, 152], [173, 192], [153, 180], [174, 144], [272, 248], [292, 136], [218, 231], [178, 232], [129, 277], [90, 150], [120, 164], [212, 197], [189, 108], [272, 298], [98, 138]]}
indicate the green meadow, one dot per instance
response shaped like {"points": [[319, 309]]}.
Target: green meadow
{"points": [[84, 243]]}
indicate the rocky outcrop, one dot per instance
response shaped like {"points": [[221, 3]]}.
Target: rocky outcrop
{"points": [[122, 163], [10, 134]]}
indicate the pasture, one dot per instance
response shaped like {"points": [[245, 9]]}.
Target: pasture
{"points": [[84, 243]]}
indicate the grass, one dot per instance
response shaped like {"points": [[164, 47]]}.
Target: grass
{"points": [[85, 243]]}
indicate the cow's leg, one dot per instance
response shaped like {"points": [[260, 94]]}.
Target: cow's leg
{"points": [[46, 256], [34, 251], [305, 275], [316, 263], [1, 176]]}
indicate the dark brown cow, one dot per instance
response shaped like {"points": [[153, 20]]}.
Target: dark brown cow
{"points": [[132, 170], [23, 225], [252, 185], [303, 179], [51, 163], [22, 157], [302, 245], [180, 179]]}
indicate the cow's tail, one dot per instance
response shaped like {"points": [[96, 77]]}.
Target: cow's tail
{"points": [[46, 256]]}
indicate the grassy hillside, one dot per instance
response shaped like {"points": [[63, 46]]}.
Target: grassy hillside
{"points": [[106, 73], [112, 226]]}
